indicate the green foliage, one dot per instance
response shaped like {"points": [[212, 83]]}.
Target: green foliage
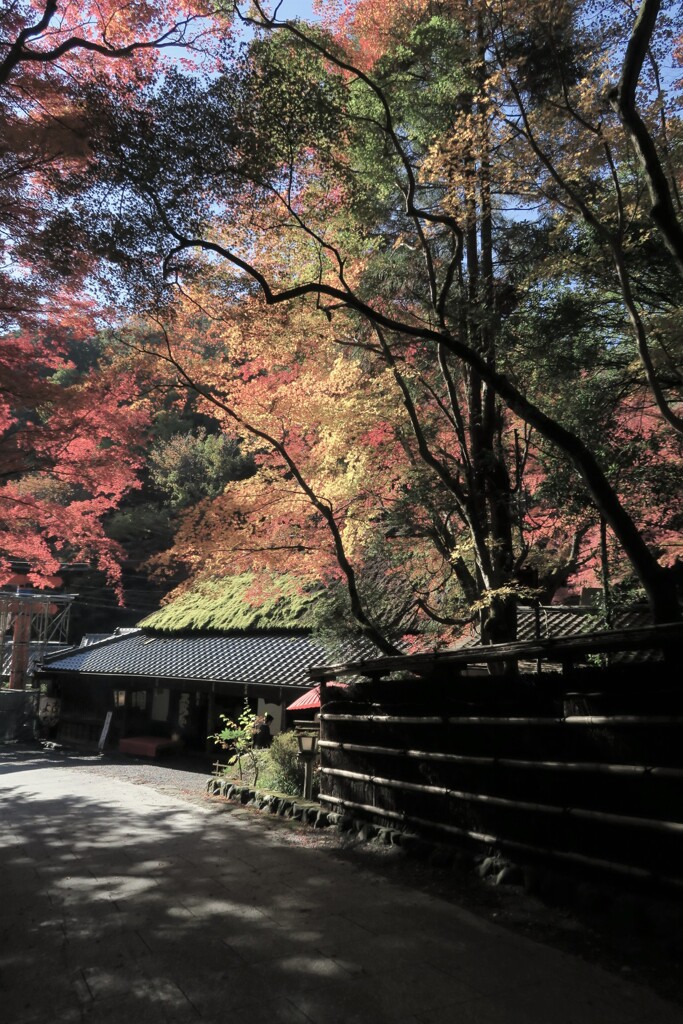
{"points": [[426, 77], [441, 194], [144, 525], [189, 467], [286, 102], [286, 770], [278, 768]]}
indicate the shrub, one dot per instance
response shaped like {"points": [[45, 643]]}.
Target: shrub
{"points": [[277, 768], [287, 769]]}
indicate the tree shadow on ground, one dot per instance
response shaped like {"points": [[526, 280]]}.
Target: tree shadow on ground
{"points": [[121, 903], [15, 758]]}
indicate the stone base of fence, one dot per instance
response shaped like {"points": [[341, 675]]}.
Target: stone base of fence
{"points": [[281, 804]]}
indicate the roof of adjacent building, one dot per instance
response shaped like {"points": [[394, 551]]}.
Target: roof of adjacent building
{"points": [[266, 658], [553, 621], [36, 651], [548, 621]]}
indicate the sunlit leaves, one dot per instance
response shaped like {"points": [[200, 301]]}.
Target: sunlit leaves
{"points": [[69, 451]]}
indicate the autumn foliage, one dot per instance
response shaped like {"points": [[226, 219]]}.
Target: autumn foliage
{"points": [[68, 437], [412, 261]]}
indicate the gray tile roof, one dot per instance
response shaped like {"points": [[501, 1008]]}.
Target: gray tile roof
{"points": [[567, 620], [266, 658], [551, 621]]}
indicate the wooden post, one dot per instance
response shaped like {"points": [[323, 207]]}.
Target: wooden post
{"points": [[210, 716]]}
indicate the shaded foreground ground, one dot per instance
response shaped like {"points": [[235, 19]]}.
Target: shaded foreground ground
{"points": [[125, 901]]}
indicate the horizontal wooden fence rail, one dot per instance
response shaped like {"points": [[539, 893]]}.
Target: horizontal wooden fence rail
{"points": [[524, 851], [676, 720], [522, 805], [597, 767]]}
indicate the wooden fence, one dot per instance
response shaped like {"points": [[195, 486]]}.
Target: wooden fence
{"points": [[581, 767]]}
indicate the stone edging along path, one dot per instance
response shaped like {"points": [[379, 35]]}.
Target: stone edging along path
{"points": [[309, 812]]}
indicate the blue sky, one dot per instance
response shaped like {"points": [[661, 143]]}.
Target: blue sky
{"points": [[296, 9]]}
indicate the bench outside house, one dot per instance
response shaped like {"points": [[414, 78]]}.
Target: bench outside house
{"points": [[146, 746]]}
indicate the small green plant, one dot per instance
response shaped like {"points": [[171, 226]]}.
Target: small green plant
{"points": [[237, 737]]}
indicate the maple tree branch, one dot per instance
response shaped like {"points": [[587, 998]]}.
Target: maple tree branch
{"points": [[561, 69], [14, 55], [636, 49], [618, 192], [426, 250], [320, 241], [299, 548], [528, 134], [19, 53], [656, 580], [666, 141], [216, 317], [455, 405], [454, 264], [437, 466], [616, 250], [569, 564], [444, 620], [674, 421], [521, 458], [416, 213], [440, 402], [622, 99], [446, 477], [366, 346]]}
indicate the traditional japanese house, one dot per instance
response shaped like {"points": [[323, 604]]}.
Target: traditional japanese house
{"points": [[185, 666]]}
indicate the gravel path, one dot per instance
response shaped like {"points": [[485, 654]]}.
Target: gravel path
{"points": [[181, 777]]}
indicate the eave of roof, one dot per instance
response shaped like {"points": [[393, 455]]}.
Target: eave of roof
{"points": [[267, 658]]}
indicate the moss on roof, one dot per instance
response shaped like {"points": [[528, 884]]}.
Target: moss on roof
{"points": [[236, 603]]}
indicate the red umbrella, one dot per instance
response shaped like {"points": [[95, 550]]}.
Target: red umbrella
{"points": [[311, 698]]}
